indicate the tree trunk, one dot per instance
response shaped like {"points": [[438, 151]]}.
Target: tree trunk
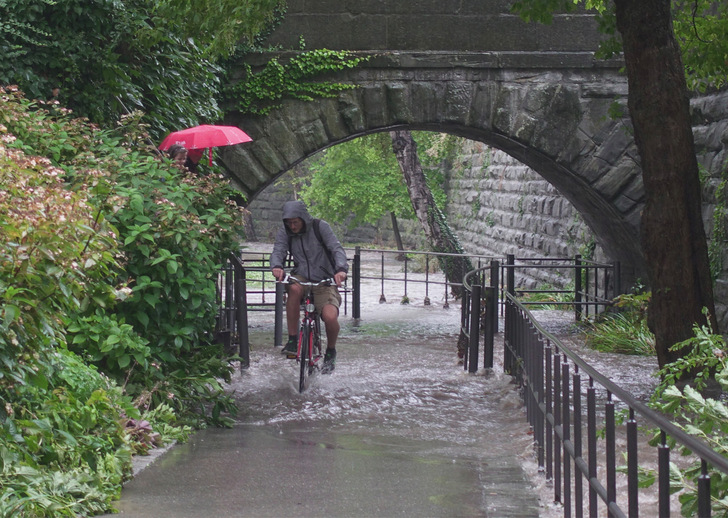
{"points": [[397, 235], [432, 219], [673, 237]]}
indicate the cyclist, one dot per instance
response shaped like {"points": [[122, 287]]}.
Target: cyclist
{"points": [[317, 255]]}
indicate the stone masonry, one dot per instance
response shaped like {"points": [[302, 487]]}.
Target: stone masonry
{"points": [[495, 206], [473, 69]]}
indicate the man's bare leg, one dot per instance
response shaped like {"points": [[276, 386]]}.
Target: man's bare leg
{"points": [[330, 316]]}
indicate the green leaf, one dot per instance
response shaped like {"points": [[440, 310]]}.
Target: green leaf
{"points": [[10, 313], [124, 361], [143, 318], [151, 299]]}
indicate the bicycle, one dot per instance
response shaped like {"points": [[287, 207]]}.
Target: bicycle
{"points": [[309, 354]]}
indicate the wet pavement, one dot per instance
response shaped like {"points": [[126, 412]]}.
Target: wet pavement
{"points": [[399, 429]]}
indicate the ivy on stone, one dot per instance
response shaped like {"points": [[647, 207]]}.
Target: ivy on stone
{"points": [[262, 91]]}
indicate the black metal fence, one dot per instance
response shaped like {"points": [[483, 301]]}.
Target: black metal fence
{"points": [[479, 310], [246, 276], [594, 286], [565, 399], [232, 321]]}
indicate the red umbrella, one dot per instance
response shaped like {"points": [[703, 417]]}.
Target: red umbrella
{"points": [[205, 136]]}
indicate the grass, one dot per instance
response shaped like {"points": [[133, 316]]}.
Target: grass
{"points": [[546, 299], [622, 333]]}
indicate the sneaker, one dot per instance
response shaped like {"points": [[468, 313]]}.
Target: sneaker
{"points": [[329, 361], [290, 349]]}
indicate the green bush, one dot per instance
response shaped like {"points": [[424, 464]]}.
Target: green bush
{"points": [[103, 58], [623, 329], [682, 394], [94, 228]]}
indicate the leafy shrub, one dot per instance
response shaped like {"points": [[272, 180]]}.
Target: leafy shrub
{"points": [[625, 330], [705, 367], [103, 59], [546, 295], [94, 228], [262, 91]]}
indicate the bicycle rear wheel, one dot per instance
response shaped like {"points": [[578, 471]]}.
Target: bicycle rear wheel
{"points": [[304, 358]]}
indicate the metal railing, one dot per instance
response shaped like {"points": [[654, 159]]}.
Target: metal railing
{"points": [[595, 284], [231, 328], [479, 308], [554, 392], [407, 257]]}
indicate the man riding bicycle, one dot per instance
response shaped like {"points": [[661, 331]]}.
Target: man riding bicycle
{"points": [[317, 254]]}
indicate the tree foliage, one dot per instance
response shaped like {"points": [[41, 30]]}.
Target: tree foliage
{"points": [[700, 26], [104, 58], [362, 177], [358, 177]]}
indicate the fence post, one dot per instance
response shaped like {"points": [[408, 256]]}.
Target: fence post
{"points": [[617, 279], [494, 282], [229, 301], [241, 316], [356, 285], [577, 288], [491, 323], [278, 316], [465, 323], [511, 274], [474, 328]]}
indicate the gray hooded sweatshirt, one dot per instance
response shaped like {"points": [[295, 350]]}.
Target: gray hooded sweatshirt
{"points": [[309, 256]]}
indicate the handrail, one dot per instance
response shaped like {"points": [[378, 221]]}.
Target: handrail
{"points": [[698, 447], [541, 363], [231, 327], [474, 295]]}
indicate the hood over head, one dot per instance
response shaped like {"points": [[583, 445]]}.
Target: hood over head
{"points": [[297, 209]]}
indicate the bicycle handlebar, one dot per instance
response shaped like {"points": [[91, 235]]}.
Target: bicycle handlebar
{"points": [[289, 279]]}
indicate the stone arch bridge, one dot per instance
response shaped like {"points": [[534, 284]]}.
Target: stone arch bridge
{"points": [[474, 69], [550, 111]]}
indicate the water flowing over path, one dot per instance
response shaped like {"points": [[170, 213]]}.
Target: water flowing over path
{"points": [[399, 429]]}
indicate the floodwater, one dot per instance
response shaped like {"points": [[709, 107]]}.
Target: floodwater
{"points": [[398, 392], [399, 429]]}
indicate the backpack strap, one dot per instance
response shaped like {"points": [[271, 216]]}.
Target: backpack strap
{"points": [[316, 223]]}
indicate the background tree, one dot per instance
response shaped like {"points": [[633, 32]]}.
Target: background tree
{"points": [[429, 215], [358, 182], [103, 59], [673, 236]]}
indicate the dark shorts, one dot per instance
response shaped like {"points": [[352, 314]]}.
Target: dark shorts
{"points": [[323, 295]]}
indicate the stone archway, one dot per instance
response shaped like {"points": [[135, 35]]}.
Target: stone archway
{"points": [[550, 116]]}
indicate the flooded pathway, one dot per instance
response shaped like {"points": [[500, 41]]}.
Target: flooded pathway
{"points": [[399, 429]]}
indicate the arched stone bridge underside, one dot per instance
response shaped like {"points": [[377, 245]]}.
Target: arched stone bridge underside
{"points": [[548, 110]]}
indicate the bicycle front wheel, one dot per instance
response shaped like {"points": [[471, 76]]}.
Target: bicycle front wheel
{"points": [[304, 358]]}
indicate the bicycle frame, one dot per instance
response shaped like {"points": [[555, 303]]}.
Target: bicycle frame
{"points": [[309, 353]]}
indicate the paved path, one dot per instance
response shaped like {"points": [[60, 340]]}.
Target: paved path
{"points": [[398, 430]]}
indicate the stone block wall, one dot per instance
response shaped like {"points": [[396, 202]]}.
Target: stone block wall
{"points": [[496, 206], [472, 25]]}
